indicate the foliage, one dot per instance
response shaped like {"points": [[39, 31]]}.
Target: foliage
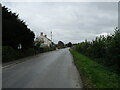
{"points": [[15, 31], [104, 49], [8, 54], [60, 44], [29, 52], [95, 75], [69, 44]]}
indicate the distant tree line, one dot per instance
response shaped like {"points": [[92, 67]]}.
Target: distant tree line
{"points": [[69, 44], [104, 49], [61, 45]]}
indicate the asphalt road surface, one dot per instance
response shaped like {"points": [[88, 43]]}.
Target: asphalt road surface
{"points": [[53, 69]]}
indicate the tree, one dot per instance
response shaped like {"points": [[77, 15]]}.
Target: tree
{"points": [[15, 31], [61, 44], [104, 49], [69, 44]]}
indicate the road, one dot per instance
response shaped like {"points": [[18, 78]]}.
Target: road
{"points": [[53, 69]]}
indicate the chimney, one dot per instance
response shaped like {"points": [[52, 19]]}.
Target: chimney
{"points": [[45, 35], [41, 33]]}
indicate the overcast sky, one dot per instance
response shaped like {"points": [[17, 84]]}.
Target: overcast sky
{"points": [[69, 22]]}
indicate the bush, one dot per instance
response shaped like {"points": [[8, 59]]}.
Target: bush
{"points": [[45, 49], [29, 52], [104, 49], [8, 54]]}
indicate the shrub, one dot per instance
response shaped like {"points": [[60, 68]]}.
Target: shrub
{"points": [[104, 49], [8, 54], [29, 52]]}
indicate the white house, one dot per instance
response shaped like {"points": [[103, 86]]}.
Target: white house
{"points": [[43, 40]]}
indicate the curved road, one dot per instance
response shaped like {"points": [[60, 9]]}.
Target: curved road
{"points": [[53, 69]]}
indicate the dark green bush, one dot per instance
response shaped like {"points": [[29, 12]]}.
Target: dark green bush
{"points": [[8, 54], [104, 49], [38, 49], [15, 31], [45, 49], [29, 52]]}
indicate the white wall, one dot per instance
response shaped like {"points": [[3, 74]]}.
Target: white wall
{"points": [[45, 39]]}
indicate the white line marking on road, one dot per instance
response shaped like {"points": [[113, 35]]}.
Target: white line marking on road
{"points": [[12, 64]]}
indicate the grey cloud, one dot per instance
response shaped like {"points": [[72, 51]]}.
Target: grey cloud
{"points": [[73, 22]]}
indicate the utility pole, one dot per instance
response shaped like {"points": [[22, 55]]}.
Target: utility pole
{"points": [[51, 38]]}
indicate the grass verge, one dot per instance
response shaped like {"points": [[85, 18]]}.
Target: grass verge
{"points": [[94, 75]]}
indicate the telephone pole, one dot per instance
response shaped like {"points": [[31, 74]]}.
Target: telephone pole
{"points": [[51, 38]]}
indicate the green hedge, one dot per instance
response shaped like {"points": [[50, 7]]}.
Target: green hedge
{"points": [[29, 52], [8, 54], [104, 49]]}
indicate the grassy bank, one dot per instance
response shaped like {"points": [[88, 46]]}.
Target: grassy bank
{"points": [[93, 74]]}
